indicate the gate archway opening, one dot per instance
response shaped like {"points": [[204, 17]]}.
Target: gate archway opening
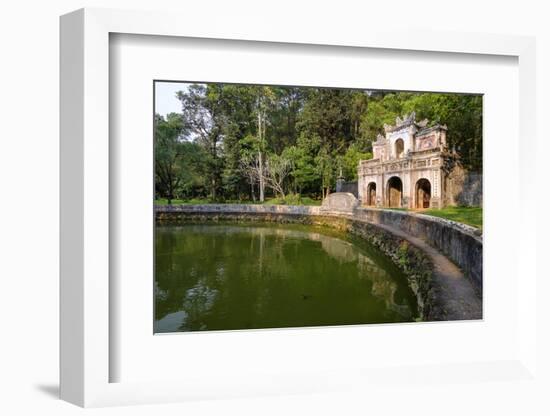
{"points": [[371, 194], [423, 193], [394, 192]]}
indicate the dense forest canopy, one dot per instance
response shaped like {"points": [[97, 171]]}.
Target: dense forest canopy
{"points": [[235, 142]]}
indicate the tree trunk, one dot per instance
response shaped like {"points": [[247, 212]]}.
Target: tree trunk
{"points": [[213, 191], [260, 160], [170, 190], [261, 176]]}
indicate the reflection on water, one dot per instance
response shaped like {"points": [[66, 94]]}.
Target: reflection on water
{"points": [[220, 277]]}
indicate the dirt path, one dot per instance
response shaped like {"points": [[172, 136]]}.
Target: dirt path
{"points": [[456, 297]]}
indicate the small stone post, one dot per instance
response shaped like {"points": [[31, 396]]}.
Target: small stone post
{"points": [[340, 182]]}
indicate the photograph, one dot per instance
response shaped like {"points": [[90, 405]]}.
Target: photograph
{"points": [[290, 206]]}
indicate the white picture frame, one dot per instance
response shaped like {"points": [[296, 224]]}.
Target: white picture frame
{"points": [[85, 213]]}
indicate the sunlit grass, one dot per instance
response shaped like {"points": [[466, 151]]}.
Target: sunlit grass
{"points": [[193, 201], [293, 199], [467, 215]]}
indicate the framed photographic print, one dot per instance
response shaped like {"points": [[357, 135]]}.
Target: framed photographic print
{"points": [[271, 213]]}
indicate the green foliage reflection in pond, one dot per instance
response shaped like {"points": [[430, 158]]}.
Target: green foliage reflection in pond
{"points": [[245, 276]]}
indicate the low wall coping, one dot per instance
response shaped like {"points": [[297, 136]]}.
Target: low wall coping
{"points": [[314, 210], [464, 228]]}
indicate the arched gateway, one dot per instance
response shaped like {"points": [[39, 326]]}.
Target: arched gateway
{"points": [[408, 151], [371, 194], [394, 192], [423, 193]]}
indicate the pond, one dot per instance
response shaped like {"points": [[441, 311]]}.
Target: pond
{"points": [[217, 276]]}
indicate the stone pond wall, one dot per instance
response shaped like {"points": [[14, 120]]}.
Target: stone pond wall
{"points": [[460, 243]]}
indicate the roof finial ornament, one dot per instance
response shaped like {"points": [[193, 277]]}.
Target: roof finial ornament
{"points": [[422, 123]]}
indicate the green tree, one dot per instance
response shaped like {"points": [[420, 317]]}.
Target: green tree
{"points": [[238, 106], [350, 161], [168, 153], [204, 119], [326, 167], [327, 115], [193, 170], [305, 174], [283, 116]]}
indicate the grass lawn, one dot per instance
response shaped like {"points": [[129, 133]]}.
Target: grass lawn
{"points": [[194, 201], [290, 200], [467, 215]]}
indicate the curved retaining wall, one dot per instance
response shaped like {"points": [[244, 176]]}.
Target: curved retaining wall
{"points": [[460, 243]]}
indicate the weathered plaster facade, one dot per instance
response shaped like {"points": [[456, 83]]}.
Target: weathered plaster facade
{"points": [[409, 167]]}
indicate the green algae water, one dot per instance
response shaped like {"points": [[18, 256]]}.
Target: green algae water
{"points": [[248, 276]]}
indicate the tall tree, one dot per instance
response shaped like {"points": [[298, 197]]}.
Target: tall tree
{"points": [[168, 135], [283, 116], [250, 163], [326, 170], [238, 107], [204, 119], [265, 98], [327, 115], [305, 174]]}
